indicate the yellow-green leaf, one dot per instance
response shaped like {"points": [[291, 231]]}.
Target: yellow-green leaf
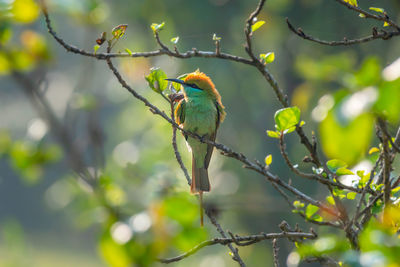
{"points": [[330, 200], [268, 160], [273, 134], [128, 51], [95, 48], [377, 9], [351, 2], [361, 15], [216, 38], [175, 40], [157, 27], [386, 24], [257, 25], [268, 57], [373, 150], [351, 195], [24, 11], [119, 31]]}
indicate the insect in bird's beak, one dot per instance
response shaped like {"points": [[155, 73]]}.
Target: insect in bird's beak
{"points": [[176, 81]]}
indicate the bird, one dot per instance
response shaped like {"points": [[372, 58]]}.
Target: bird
{"points": [[200, 111]]}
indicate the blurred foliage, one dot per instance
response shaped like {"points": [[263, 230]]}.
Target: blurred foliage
{"points": [[141, 209]]}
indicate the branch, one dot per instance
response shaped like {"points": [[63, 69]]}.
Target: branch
{"points": [[384, 35], [240, 239], [275, 250]]}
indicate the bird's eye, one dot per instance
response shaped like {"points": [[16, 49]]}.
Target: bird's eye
{"points": [[195, 86]]}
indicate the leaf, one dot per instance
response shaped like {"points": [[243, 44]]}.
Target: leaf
{"points": [[128, 51], [385, 24], [311, 210], [95, 48], [24, 11], [267, 58], [157, 27], [373, 150], [257, 25], [351, 195], [268, 160], [156, 80], [330, 200], [377, 9], [302, 123], [175, 40], [344, 171], [351, 2], [273, 134], [286, 118], [335, 164], [119, 31], [298, 204], [361, 15], [216, 38]]}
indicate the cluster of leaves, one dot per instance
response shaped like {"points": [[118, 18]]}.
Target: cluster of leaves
{"points": [[28, 158], [30, 49]]}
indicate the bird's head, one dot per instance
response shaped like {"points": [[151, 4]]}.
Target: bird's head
{"points": [[197, 83]]}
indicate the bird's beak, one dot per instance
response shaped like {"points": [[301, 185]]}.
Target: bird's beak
{"points": [[176, 81]]}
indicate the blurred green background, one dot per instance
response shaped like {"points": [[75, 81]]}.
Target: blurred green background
{"points": [[48, 218]]}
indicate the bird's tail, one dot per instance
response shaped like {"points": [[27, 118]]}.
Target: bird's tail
{"points": [[200, 183]]}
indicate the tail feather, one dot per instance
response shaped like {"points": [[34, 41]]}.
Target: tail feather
{"points": [[200, 181]]}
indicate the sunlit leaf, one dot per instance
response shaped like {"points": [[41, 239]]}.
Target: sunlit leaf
{"points": [[95, 48], [377, 9], [175, 40], [119, 31], [156, 80], [335, 164], [351, 195], [157, 27], [268, 160], [373, 150], [330, 200], [216, 38], [311, 210], [273, 134], [24, 11], [298, 204], [344, 171], [128, 51], [286, 118], [5, 65], [386, 24], [257, 25], [351, 2], [267, 58], [361, 15]]}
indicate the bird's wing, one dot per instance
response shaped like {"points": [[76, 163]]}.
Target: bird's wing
{"points": [[213, 135], [180, 112]]}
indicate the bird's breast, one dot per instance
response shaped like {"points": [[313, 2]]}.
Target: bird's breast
{"points": [[200, 116]]}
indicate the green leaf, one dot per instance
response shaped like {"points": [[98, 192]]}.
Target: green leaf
{"points": [[286, 118], [298, 204], [175, 40], [268, 57], [377, 9], [156, 80], [128, 51], [311, 210], [361, 15], [351, 2], [344, 171], [302, 123], [274, 134], [119, 31], [268, 160], [351, 195], [157, 27], [24, 11], [257, 25], [373, 150], [216, 38], [330, 200], [95, 48], [335, 164]]}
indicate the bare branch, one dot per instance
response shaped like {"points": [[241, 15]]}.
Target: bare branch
{"points": [[384, 35], [240, 239]]}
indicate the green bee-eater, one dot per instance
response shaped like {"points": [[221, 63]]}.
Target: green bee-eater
{"points": [[200, 112]]}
